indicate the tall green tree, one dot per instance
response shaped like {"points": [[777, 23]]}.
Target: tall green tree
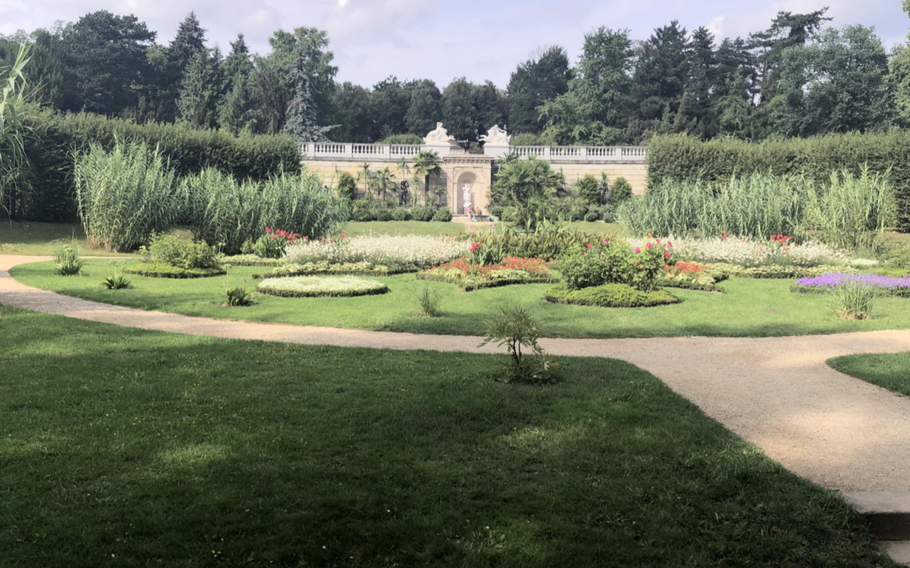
{"points": [[234, 107], [353, 113], [424, 108], [105, 55], [43, 76], [837, 84], [536, 82], [389, 102], [458, 109], [696, 113], [661, 75], [287, 48], [301, 119], [202, 90]]}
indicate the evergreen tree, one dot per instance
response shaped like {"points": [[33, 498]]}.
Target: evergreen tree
{"points": [[301, 121], [661, 75], [352, 113], [201, 90], [695, 115], [234, 107], [534, 83], [186, 45]]}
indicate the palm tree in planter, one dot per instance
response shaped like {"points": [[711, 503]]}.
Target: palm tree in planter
{"points": [[427, 164], [364, 174]]}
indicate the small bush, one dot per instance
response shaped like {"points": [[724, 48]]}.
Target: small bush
{"points": [[608, 213], [515, 329], [117, 281], [546, 240], [614, 262], [273, 243], [443, 215], [592, 216], [401, 214], [429, 300], [238, 297], [588, 189], [854, 299], [621, 191], [423, 213], [182, 253], [384, 215], [66, 259], [496, 211], [346, 187], [610, 296]]}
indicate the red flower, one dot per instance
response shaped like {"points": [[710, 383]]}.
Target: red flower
{"points": [[267, 230]]}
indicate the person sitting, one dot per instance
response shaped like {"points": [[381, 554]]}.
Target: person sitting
{"points": [[469, 211]]}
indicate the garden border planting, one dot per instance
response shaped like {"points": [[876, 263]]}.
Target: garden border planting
{"points": [[610, 296], [159, 270], [315, 286]]}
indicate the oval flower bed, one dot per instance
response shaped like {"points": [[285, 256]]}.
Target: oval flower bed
{"points": [[896, 286], [314, 286], [512, 270], [610, 296], [161, 270]]}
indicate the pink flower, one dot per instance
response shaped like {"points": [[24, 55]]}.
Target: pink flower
{"points": [[648, 245], [637, 250], [590, 245], [603, 242]]}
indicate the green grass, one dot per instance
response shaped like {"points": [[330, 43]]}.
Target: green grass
{"points": [[30, 238], [430, 228], [890, 371], [128, 448], [748, 308]]}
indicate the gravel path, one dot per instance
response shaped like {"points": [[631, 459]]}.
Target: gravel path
{"points": [[778, 393]]}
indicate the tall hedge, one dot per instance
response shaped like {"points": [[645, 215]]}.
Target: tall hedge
{"points": [[680, 158], [53, 138]]}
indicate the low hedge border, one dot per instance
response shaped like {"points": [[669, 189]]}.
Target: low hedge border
{"points": [[158, 270], [309, 287], [469, 283], [250, 260], [328, 269], [610, 296], [777, 271]]}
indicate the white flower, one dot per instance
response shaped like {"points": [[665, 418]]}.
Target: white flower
{"points": [[412, 252]]}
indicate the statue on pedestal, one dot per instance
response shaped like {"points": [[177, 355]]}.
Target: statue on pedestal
{"points": [[438, 137], [496, 136]]}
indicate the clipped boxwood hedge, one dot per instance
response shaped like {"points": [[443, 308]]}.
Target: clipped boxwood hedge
{"points": [[159, 270], [316, 286], [610, 296]]}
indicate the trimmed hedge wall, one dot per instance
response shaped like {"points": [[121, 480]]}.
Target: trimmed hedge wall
{"points": [[686, 158], [53, 138]]}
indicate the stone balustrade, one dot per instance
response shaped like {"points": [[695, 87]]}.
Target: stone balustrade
{"points": [[394, 152]]}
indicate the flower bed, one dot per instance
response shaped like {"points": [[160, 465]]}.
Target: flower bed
{"points": [[610, 296], [315, 286], [160, 270], [407, 253], [775, 271], [896, 286], [692, 276], [250, 260], [470, 276], [324, 267], [778, 250]]}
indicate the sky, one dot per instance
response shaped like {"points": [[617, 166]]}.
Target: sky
{"points": [[445, 39]]}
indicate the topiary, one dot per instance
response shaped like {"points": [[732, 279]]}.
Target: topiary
{"points": [[588, 189], [346, 187], [621, 191], [443, 215]]}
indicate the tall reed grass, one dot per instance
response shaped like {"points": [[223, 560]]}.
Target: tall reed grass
{"points": [[754, 206], [224, 211], [853, 211], [125, 195]]}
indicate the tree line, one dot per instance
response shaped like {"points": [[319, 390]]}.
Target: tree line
{"points": [[798, 77]]}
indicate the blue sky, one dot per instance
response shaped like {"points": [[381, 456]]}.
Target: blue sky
{"points": [[444, 39]]}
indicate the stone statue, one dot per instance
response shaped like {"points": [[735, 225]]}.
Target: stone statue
{"points": [[438, 136], [496, 136], [466, 194]]}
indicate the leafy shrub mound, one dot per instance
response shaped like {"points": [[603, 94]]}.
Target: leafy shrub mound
{"points": [[614, 262], [896, 286], [181, 253], [775, 271], [545, 241], [161, 270], [470, 276], [610, 296], [315, 286], [325, 267], [692, 276]]}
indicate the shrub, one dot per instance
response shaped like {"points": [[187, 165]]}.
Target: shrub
{"points": [[179, 252], [66, 259], [621, 191], [273, 244], [547, 240], [608, 213], [402, 139], [54, 136], [774, 271], [854, 299], [401, 214], [495, 211], [592, 216], [124, 195], [610, 296], [346, 187], [384, 215], [117, 281], [423, 213], [238, 296], [325, 267], [588, 189], [614, 262], [429, 300], [161, 270], [443, 215], [515, 329], [315, 286], [249, 260]]}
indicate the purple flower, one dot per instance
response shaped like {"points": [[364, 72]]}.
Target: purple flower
{"points": [[830, 281]]}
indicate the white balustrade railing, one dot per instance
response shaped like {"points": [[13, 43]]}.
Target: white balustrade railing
{"points": [[394, 152]]}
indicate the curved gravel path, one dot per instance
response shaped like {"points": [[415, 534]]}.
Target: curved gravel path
{"points": [[837, 431]]}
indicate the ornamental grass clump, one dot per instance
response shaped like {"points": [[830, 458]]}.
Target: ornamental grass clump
{"points": [[125, 195], [67, 261], [854, 299], [515, 329], [429, 300]]}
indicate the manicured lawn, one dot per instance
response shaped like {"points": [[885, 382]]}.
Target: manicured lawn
{"points": [[26, 237], [431, 228], [749, 308], [120, 447], [890, 371]]}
